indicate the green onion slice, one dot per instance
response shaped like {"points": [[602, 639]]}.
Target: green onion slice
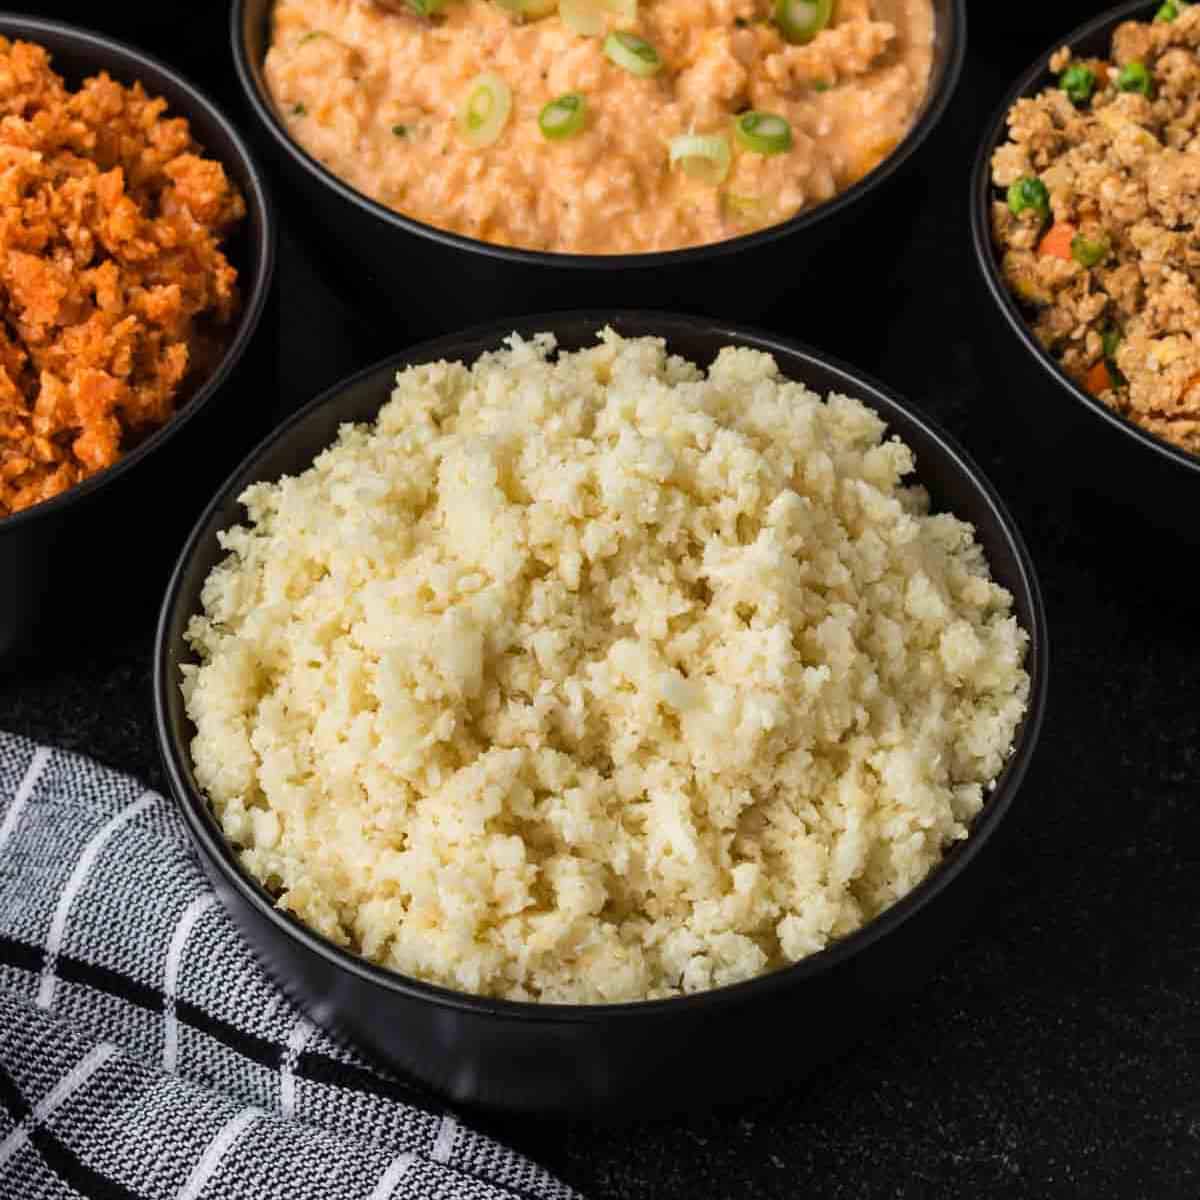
{"points": [[763, 132], [426, 8], [486, 110], [1169, 10], [745, 210], [564, 117], [529, 8], [633, 53], [801, 20], [586, 17], [706, 157]]}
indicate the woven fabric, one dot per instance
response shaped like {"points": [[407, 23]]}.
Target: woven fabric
{"points": [[144, 1054]]}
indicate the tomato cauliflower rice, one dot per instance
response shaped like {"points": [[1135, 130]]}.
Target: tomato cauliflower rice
{"points": [[116, 297], [596, 677]]}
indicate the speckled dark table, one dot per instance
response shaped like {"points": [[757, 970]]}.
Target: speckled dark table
{"points": [[1057, 1052]]}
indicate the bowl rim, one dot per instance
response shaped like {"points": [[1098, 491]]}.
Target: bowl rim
{"points": [[1031, 81], [206, 833], [127, 62], [937, 100]]}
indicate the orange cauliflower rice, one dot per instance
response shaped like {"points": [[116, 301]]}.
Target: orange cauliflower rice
{"points": [[594, 676]]}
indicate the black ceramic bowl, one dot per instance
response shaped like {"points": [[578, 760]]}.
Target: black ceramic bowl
{"points": [[74, 565], [431, 281], [1086, 445], [622, 1059]]}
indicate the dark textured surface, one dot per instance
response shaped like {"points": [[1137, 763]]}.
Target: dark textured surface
{"points": [[1057, 1053]]}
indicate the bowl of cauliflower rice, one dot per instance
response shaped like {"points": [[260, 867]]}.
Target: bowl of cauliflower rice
{"points": [[1084, 210], [601, 713]]}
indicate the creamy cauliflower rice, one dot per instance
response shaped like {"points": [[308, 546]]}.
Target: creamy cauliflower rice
{"points": [[596, 677], [652, 160]]}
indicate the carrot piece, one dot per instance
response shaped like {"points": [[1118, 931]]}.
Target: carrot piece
{"points": [[1057, 241], [1098, 379]]}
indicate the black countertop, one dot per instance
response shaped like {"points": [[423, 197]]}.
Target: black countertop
{"points": [[1057, 1051]]}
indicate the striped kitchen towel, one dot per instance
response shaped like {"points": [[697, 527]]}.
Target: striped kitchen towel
{"points": [[144, 1054]]}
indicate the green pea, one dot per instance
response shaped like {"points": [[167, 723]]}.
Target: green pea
{"points": [[1087, 252], [1134, 77], [1170, 10], [1079, 82], [1029, 193]]}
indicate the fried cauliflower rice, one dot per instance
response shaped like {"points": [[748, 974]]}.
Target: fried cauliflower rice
{"points": [[1121, 169], [596, 677]]}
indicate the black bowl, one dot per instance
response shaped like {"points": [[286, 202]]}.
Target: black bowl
{"points": [[433, 281], [622, 1059], [1087, 448], [92, 558]]}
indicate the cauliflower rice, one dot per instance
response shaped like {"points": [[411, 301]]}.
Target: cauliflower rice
{"points": [[595, 677]]}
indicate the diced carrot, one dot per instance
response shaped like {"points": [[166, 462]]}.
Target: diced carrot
{"points": [[1098, 379], [1057, 241]]}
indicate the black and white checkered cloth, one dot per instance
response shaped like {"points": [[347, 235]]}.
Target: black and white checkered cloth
{"points": [[144, 1054]]}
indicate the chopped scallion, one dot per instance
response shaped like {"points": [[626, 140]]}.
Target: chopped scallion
{"points": [[486, 110], [763, 132], [801, 20], [586, 17], [634, 54], [529, 8], [706, 157], [564, 117]]}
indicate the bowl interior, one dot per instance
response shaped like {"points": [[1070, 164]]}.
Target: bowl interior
{"points": [[77, 54], [250, 27], [1094, 39], [952, 480]]}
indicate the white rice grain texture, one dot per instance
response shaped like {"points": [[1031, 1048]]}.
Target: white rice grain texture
{"points": [[595, 677]]}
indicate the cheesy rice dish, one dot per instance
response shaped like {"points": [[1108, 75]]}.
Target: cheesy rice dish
{"points": [[600, 126], [597, 676]]}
